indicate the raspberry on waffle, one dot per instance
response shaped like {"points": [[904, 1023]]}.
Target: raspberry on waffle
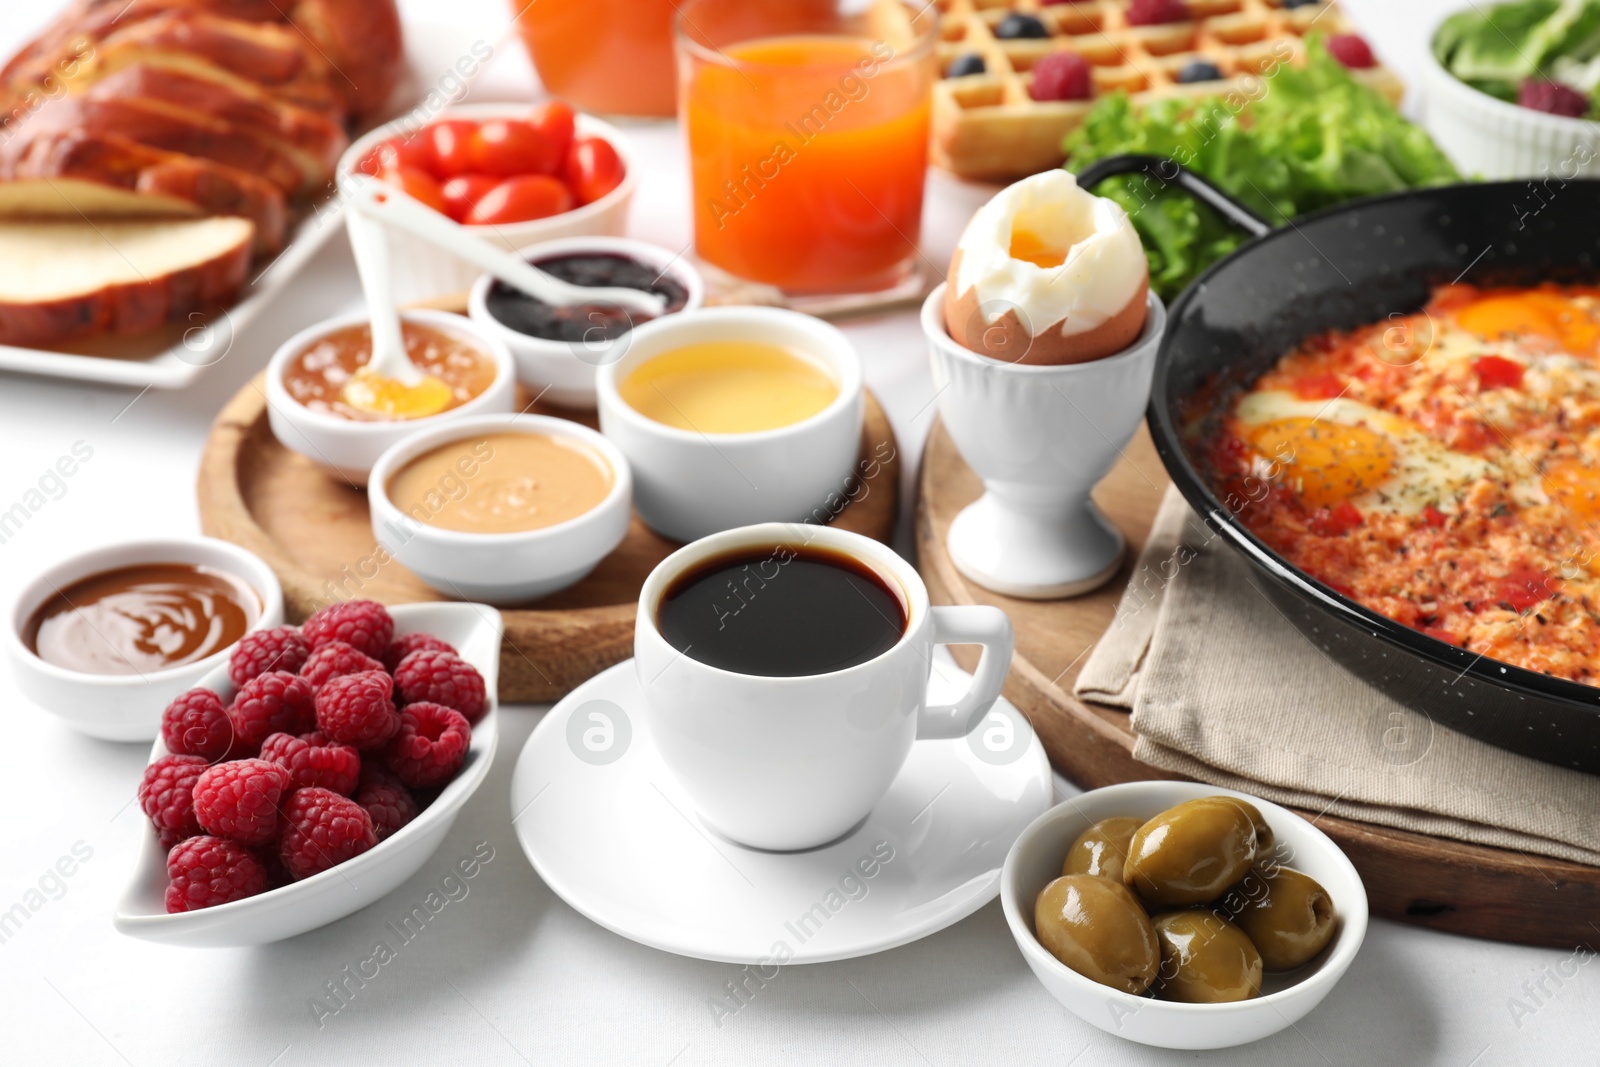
{"points": [[988, 125]]}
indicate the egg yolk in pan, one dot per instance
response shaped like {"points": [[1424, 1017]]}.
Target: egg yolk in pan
{"points": [[1328, 463], [1533, 312], [1573, 485]]}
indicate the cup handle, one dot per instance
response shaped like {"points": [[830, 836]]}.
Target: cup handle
{"points": [[976, 624]]}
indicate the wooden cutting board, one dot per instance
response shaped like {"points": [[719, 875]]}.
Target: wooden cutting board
{"points": [[313, 529], [1446, 885]]}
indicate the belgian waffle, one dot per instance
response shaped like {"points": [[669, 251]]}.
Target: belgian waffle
{"points": [[987, 126]]}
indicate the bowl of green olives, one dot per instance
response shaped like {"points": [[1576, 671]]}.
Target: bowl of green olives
{"points": [[1181, 915]]}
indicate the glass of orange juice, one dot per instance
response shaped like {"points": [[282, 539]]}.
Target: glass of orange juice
{"points": [[807, 123], [609, 56]]}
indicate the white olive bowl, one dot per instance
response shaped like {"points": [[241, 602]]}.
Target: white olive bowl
{"points": [[1035, 860], [421, 270], [501, 568], [474, 630], [563, 372], [127, 707], [348, 447]]}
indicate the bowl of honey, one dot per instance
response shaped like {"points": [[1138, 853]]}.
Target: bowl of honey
{"points": [[733, 416], [107, 638], [313, 411], [559, 349], [501, 508]]}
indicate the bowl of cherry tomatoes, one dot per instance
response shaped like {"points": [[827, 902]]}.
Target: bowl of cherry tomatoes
{"points": [[514, 174]]}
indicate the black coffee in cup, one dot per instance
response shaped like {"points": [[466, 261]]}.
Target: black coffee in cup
{"points": [[782, 611]]}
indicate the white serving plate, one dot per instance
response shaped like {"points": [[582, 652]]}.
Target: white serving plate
{"points": [[293, 909], [172, 358]]}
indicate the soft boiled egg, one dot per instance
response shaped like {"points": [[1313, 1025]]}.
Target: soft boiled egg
{"points": [[1047, 273], [1333, 451]]}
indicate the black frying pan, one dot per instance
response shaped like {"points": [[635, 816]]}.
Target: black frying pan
{"points": [[1341, 268]]}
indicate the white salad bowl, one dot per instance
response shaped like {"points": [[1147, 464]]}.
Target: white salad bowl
{"points": [[293, 909]]}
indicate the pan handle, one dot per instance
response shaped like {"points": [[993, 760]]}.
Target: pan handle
{"points": [[1167, 171]]}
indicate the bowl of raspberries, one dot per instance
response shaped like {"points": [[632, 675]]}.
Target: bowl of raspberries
{"points": [[314, 772]]}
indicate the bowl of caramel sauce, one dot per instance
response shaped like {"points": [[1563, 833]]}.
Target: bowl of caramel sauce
{"points": [[107, 638]]}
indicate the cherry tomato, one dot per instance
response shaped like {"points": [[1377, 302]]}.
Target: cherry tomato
{"points": [[530, 196], [593, 169], [452, 146], [1335, 522], [463, 192], [1525, 587], [1497, 372], [419, 185], [1323, 385], [1432, 516], [556, 121], [414, 150], [507, 147]]}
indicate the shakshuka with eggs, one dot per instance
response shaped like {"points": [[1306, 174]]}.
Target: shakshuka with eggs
{"points": [[1441, 468]]}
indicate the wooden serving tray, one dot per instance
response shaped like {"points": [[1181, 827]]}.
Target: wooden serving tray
{"points": [[313, 529], [1433, 882]]}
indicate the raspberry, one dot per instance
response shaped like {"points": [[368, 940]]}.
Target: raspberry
{"points": [[270, 703], [312, 759], [403, 646], [278, 649], [1156, 12], [1552, 98], [322, 829], [207, 871], [442, 678], [386, 798], [358, 709], [166, 793], [363, 624], [196, 724], [431, 745], [239, 800], [1061, 76], [334, 659], [1352, 51]]}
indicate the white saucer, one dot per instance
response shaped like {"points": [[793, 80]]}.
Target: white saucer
{"points": [[606, 826]]}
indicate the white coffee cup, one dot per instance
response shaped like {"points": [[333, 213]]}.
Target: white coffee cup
{"points": [[788, 763]]}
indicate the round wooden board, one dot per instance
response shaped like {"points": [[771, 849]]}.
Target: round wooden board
{"points": [[313, 529], [1446, 885]]}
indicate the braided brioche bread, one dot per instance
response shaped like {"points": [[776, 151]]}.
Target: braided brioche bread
{"points": [[179, 110]]}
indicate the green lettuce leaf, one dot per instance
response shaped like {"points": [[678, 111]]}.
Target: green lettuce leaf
{"points": [[1313, 137]]}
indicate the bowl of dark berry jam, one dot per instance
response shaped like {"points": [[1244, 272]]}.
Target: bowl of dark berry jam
{"points": [[105, 639], [557, 349]]}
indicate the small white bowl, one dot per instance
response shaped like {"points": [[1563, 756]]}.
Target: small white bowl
{"points": [[127, 707], [421, 270], [293, 909], [1035, 860], [501, 568], [563, 372], [350, 448], [688, 485], [1492, 139]]}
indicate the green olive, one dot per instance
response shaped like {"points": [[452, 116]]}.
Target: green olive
{"points": [[1102, 848], [1096, 927], [1192, 853], [1287, 914], [1265, 839], [1205, 959]]}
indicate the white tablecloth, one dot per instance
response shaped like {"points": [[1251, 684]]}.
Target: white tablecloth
{"points": [[510, 974]]}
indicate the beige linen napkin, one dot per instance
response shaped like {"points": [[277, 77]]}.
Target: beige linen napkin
{"points": [[1224, 689]]}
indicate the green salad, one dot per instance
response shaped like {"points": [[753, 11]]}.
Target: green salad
{"points": [[1509, 50], [1313, 137]]}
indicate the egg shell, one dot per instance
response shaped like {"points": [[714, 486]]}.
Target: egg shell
{"points": [[1049, 346]]}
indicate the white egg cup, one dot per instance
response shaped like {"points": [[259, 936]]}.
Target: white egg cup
{"points": [[1041, 438]]}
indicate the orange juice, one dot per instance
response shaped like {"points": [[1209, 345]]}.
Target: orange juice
{"points": [[808, 155], [610, 56]]}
